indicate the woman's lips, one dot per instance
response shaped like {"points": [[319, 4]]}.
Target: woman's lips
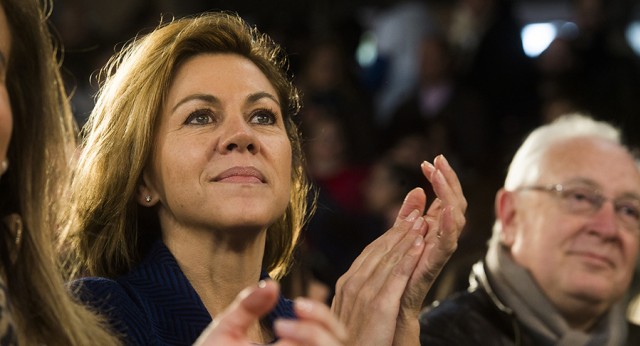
{"points": [[244, 175]]}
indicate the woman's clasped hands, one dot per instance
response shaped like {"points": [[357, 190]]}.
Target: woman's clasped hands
{"points": [[380, 296]]}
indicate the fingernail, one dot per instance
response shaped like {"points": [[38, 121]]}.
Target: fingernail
{"points": [[428, 165], [304, 304], [418, 223], [413, 215], [262, 284], [418, 241], [444, 159]]}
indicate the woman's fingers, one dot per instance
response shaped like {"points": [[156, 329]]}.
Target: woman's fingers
{"points": [[365, 263], [231, 326], [316, 325], [445, 182], [378, 277], [368, 298], [445, 219], [416, 199], [411, 209], [449, 195], [370, 270], [250, 304], [441, 243], [450, 175]]}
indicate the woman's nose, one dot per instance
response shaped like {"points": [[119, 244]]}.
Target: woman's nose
{"points": [[238, 135]]}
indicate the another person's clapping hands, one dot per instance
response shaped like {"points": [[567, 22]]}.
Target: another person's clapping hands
{"points": [[315, 325]]}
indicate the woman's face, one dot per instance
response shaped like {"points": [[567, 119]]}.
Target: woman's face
{"points": [[222, 157], [5, 106]]}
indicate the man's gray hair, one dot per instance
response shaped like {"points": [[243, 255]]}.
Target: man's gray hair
{"points": [[525, 166]]}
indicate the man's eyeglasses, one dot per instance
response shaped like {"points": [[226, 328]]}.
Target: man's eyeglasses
{"points": [[587, 201]]}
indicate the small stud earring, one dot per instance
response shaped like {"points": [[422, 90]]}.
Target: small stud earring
{"points": [[4, 165], [148, 199]]}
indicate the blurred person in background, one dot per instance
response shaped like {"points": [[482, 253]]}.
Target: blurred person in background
{"points": [[386, 188], [334, 235], [328, 86], [489, 57], [397, 28], [606, 69], [452, 117]]}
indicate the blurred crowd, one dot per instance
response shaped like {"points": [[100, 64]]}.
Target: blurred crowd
{"points": [[389, 84]]}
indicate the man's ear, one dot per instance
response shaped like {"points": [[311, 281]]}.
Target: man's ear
{"points": [[506, 214], [146, 194]]}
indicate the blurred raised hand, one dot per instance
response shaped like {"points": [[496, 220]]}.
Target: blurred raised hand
{"points": [[315, 325]]}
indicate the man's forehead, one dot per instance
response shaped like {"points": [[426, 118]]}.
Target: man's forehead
{"points": [[596, 162]]}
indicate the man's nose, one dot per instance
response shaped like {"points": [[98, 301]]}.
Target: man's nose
{"points": [[605, 220]]}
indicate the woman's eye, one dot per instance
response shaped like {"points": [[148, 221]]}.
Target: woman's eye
{"points": [[263, 117], [200, 117]]}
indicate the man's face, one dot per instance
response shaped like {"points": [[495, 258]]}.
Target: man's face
{"points": [[581, 260]]}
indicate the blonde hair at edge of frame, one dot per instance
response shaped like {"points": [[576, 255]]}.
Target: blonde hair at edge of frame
{"points": [[107, 230], [525, 166], [43, 139]]}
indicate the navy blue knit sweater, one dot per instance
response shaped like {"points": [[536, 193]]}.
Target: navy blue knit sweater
{"points": [[154, 304]]}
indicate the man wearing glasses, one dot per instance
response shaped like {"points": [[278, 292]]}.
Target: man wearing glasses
{"points": [[563, 250]]}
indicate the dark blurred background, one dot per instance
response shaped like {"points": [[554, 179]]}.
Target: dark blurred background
{"points": [[388, 84]]}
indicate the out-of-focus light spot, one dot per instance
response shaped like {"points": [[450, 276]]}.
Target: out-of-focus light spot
{"points": [[633, 36], [536, 38], [367, 51]]}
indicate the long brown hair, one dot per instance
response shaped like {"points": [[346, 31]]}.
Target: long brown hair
{"points": [[107, 230], [39, 154]]}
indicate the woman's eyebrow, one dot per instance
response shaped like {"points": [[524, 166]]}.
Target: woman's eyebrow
{"points": [[260, 95], [208, 98]]}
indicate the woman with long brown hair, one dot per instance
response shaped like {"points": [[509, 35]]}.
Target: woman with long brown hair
{"points": [[37, 138], [191, 186]]}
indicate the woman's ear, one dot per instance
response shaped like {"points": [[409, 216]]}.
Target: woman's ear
{"points": [[506, 214], [146, 194]]}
